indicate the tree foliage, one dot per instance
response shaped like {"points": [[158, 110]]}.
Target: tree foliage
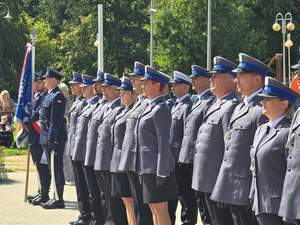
{"points": [[67, 31]]}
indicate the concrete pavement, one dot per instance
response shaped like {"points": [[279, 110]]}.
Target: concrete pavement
{"points": [[13, 210]]}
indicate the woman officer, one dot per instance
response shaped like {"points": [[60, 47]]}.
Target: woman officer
{"points": [[268, 154], [119, 181], [154, 158]]}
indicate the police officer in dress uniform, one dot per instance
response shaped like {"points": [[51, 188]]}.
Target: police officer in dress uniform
{"points": [[119, 180], [80, 149], [155, 162], [290, 200], [169, 99], [53, 135], [129, 148], [97, 110], [268, 154], [115, 207], [234, 180], [73, 113], [181, 86], [34, 142], [200, 80], [210, 137]]}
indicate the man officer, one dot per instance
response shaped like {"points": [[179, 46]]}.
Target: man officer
{"points": [[289, 206], [181, 86], [200, 80], [53, 135], [73, 114], [234, 180], [98, 204], [210, 137], [34, 140], [79, 154]]}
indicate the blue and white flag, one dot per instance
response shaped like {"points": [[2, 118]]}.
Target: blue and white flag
{"points": [[24, 99]]}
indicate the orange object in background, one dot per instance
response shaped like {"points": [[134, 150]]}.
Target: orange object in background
{"points": [[294, 85]]}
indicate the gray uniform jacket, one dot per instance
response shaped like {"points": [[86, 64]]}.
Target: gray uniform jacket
{"points": [[170, 101], [118, 131], [234, 179], [74, 111], [129, 147], [268, 156], [192, 123], [179, 112], [154, 153], [290, 200], [210, 143], [82, 129], [104, 143], [92, 135]]}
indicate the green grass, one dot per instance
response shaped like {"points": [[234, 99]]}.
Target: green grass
{"points": [[14, 151]]}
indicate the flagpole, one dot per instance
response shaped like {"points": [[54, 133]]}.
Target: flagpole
{"points": [[33, 41], [100, 38]]}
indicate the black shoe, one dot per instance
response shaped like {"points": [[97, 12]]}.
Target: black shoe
{"points": [[82, 222], [54, 204], [93, 222], [40, 200], [31, 197]]}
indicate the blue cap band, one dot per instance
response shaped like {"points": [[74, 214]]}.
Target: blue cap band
{"points": [[113, 82], [253, 68], [88, 81], [152, 75], [196, 73], [139, 71], [126, 86], [223, 68], [279, 93]]}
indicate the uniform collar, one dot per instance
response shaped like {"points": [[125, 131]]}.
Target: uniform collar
{"points": [[91, 99], [110, 104], [249, 99], [203, 93], [276, 122], [182, 98], [156, 100]]}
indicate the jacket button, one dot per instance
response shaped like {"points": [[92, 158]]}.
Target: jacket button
{"points": [[227, 148], [225, 160], [289, 169]]}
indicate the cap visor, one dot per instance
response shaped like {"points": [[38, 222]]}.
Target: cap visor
{"points": [[73, 82], [238, 70], [144, 78], [266, 95], [295, 67]]}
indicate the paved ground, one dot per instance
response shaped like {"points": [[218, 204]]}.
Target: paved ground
{"points": [[13, 210]]}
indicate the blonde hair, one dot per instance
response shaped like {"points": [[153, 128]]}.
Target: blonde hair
{"points": [[64, 88], [4, 93]]}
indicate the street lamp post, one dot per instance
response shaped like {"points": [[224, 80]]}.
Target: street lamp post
{"points": [[4, 9], [286, 25]]}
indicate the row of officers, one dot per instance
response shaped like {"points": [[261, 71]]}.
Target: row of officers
{"points": [[230, 152]]}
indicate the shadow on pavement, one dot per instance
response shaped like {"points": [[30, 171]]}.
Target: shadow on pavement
{"points": [[8, 181]]}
